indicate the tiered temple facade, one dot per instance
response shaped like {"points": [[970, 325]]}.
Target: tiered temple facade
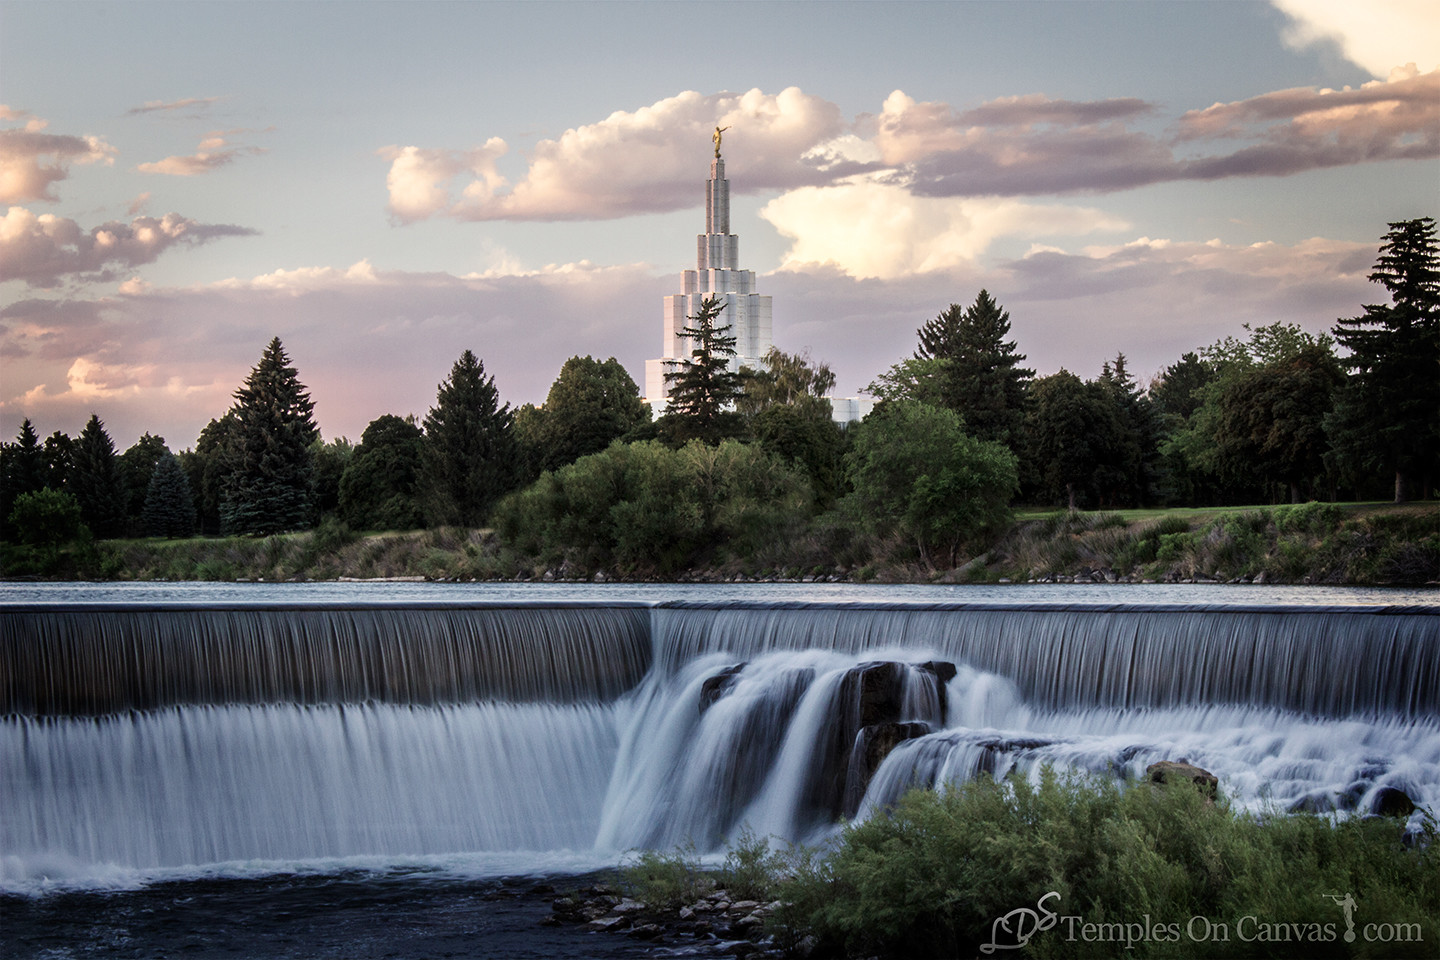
{"points": [[717, 273]]}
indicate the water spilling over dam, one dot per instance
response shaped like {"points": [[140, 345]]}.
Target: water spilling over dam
{"points": [[171, 735]]}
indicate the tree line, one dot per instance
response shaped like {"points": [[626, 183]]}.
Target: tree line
{"points": [[960, 430]]}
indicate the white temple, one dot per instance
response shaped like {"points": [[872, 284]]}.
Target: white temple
{"points": [[717, 273]]}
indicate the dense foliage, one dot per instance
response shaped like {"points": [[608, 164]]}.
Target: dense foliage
{"points": [[959, 430], [469, 458], [916, 473], [269, 485]]}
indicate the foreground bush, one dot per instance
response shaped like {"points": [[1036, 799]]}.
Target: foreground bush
{"points": [[931, 878]]}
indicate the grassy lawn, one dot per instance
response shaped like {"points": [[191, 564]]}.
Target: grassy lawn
{"points": [[1136, 514]]}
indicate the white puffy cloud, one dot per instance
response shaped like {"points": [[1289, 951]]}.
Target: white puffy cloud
{"points": [[631, 162], [869, 229], [1378, 35], [42, 250], [32, 160]]}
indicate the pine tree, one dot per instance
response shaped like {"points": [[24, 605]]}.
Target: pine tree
{"points": [[703, 388], [24, 469], [136, 466], [169, 509], [983, 381], [470, 452], [1388, 414], [94, 479], [271, 486]]}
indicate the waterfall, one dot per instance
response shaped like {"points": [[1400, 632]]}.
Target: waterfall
{"points": [[171, 735], [98, 660]]}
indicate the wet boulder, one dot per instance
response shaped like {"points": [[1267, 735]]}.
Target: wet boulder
{"points": [[872, 745], [1170, 771], [1391, 802], [718, 685]]}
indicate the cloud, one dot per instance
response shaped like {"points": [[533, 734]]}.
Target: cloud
{"points": [[32, 160], [870, 229], [1019, 146], [1305, 129], [44, 249], [366, 342], [214, 151], [630, 162], [1034, 146], [1377, 35], [152, 106]]}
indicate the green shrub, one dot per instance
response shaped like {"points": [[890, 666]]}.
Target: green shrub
{"points": [[752, 869], [931, 877], [666, 880]]}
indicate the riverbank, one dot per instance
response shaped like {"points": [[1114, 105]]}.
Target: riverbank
{"points": [[1351, 544]]}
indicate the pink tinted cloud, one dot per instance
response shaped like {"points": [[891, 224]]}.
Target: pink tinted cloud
{"points": [[214, 151], [32, 160], [1032, 145], [45, 249]]}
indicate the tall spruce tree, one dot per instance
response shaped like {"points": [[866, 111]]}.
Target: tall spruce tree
{"points": [[703, 389], [24, 469], [94, 479], [983, 381], [1387, 416], [470, 454], [270, 486], [136, 466], [169, 509]]}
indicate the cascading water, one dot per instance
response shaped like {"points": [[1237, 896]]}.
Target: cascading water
{"points": [[160, 737]]}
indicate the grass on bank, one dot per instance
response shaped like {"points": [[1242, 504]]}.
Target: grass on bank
{"points": [[931, 877], [1307, 543]]}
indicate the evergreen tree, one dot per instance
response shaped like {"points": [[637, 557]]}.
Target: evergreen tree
{"points": [[1387, 417], [702, 388], [377, 490], [470, 452], [984, 382], [136, 466], [24, 469], [209, 467], [271, 486], [169, 509], [59, 454], [95, 481], [1128, 467]]}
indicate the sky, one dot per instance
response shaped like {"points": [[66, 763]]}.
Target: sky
{"points": [[385, 185]]}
